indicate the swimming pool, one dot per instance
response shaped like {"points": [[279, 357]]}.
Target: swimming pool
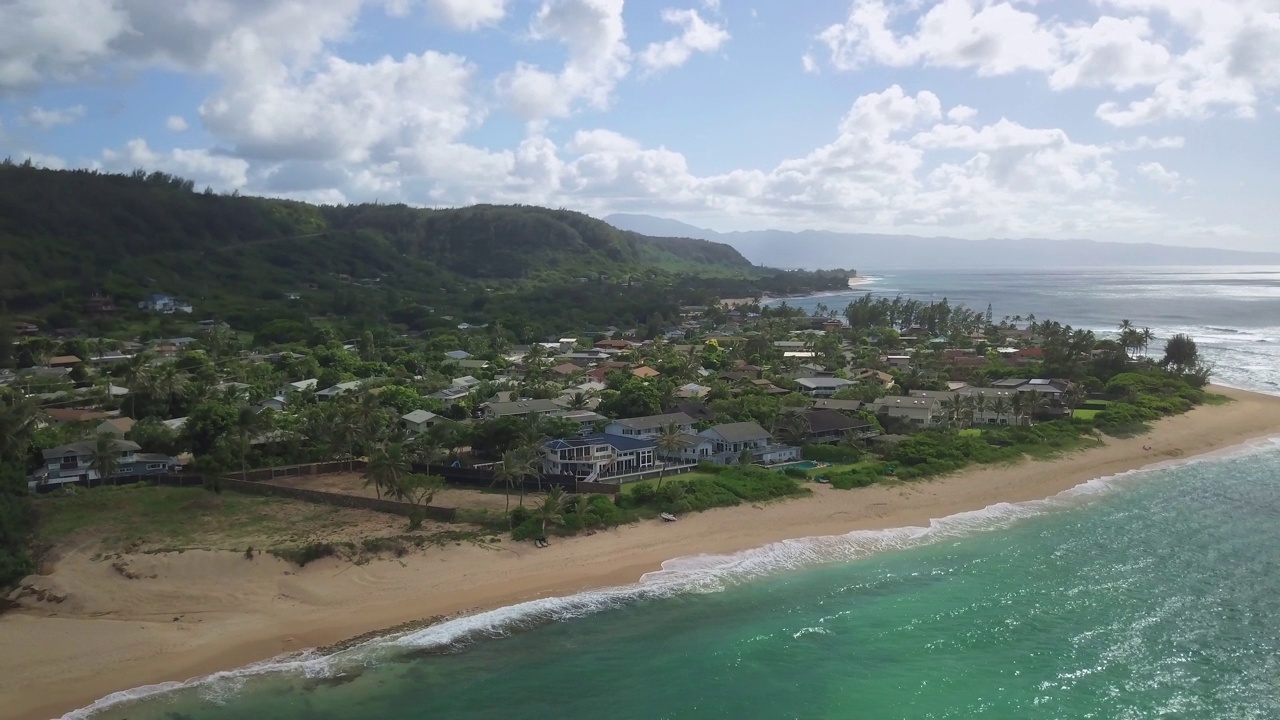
{"points": [[802, 465]]}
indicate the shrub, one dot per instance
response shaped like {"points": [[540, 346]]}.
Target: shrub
{"points": [[833, 453], [301, 555], [856, 479], [794, 472]]}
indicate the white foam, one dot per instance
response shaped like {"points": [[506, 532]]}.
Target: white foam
{"points": [[681, 575]]}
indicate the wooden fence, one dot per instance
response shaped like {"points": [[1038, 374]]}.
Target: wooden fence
{"points": [[395, 507]]}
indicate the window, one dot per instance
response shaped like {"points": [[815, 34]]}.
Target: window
{"points": [[155, 466]]}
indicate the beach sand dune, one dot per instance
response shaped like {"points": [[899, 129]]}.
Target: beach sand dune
{"points": [[188, 614]]}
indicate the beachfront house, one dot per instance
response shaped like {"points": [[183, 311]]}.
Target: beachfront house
{"points": [[600, 456], [73, 462], [828, 427], [919, 411], [650, 426], [822, 387], [727, 443]]}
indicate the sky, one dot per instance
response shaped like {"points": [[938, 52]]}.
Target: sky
{"points": [[1129, 120]]}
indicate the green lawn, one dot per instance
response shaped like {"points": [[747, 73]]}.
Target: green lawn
{"points": [[971, 432], [630, 487], [167, 518], [1086, 414]]}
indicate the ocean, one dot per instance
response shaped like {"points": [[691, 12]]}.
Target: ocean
{"points": [[1155, 594]]}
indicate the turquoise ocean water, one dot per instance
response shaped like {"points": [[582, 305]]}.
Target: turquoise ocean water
{"points": [[1151, 595]]}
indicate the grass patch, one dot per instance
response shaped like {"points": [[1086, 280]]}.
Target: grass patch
{"points": [[971, 432], [1216, 399], [140, 516], [1086, 414]]}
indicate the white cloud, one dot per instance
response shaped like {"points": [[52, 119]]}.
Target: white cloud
{"points": [[992, 38], [176, 123], [51, 118], [1156, 173], [599, 58], [1207, 57], [697, 35], [345, 111], [200, 166], [42, 40], [809, 64], [961, 114], [468, 14]]}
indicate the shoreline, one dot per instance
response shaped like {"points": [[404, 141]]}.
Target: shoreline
{"points": [[213, 611]]}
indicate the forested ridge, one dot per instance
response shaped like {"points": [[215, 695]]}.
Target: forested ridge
{"points": [[66, 235]]}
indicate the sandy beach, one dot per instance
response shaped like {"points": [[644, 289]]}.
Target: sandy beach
{"points": [[209, 611]]}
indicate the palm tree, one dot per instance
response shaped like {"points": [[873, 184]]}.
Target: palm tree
{"points": [[387, 466], [579, 401], [793, 430], [515, 467], [1018, 405], [670, 441], [104, 458], [248, 422], [551, 511], [951, 407], [1146, 335], [978, 404], [1035, 404], [1000, 406], [135, 374]]}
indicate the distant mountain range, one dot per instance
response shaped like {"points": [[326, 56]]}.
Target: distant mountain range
{"points": [[823, 249]]}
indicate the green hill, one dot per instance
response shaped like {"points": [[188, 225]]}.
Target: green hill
{"points": [[66, 235]]}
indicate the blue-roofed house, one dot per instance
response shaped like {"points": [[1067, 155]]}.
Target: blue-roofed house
{"points": [[604, 456]]}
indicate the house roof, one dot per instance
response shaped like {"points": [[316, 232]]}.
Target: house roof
{"points": [[74, 415], [121, 425], [566, 369], [617, 442], [916, 403], [522, 407], [654, 421], [840, 405], [86, 447], [827, 382], [645, 372], [739, 432], [457, 354], [825, 421], [418, 417], [64, 360]]}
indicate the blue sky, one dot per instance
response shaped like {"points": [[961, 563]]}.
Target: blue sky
{"points": [[1133, 120]]}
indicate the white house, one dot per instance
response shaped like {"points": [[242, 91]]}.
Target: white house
{"points": [[601, 456], [921, 411], [650, 426], [338, 390], [727, 442], [295, 387], [465, 382], [822, 387], [419, 421], [520, 408]]}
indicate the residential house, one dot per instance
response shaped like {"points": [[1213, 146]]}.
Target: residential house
{"points": [[645, 372], [458, 355], [115, 426], [919, 411], [73, 416], [598, 456], [342, 388], [450, 396], [163, 304], [565, 369], [828, 427], [650, 426], [63, 361], [617, 345], [296, 387], [109, 358], [727, 443], [520, 408], [898, 362], [692, 390], [586, 419], [867, 375], [465, 382], [699, 411], [844, 406], [419, 421], [768, 388], [73, 463], [471, 364], [822, 387]]}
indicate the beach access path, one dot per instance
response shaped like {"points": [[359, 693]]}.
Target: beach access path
{"points": [[210, 611]]}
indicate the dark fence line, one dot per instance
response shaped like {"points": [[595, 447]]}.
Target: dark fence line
{"points": [[271, 473], [473, 477]]}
